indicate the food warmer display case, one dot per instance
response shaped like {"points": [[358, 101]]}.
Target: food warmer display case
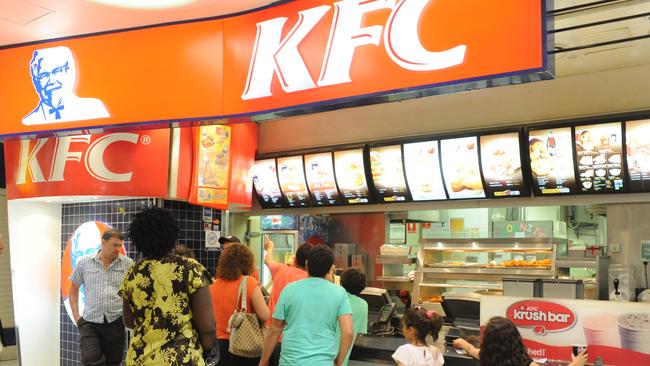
{"points": [[479, 265]]}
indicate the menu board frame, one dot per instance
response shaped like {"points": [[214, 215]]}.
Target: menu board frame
{"points": [[366, 170], [308, 201], [282, 201], [476, 135], [524, 160], [336, 184], [439, 155], [378, 197]]}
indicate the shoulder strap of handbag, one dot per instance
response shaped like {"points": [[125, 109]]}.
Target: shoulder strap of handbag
{"points": [[241, 295]]}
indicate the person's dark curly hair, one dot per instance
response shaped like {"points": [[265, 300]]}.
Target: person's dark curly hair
{"points": [[320, 260], [423, 322], [501, 344], [236, 260], [301, 254], [353, 281], [154, 232]]}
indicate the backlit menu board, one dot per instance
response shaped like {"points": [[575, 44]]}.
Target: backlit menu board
{"points": [[551, 161], [460, 168], [319, 169], [599, 150], [501, 165], [351, 176], [388, 173], [265, 181], [291, 174], [637, 139], [422, 164]]}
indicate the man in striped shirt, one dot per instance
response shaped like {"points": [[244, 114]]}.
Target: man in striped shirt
{"points": [[101, 328]]}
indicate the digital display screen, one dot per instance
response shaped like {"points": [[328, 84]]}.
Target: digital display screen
{"points": [[460, 167], [422, 164], [501, 165], [388, 173], [265, 181], [637, 140], [292, 181], [319, 169], [599, 159], [551, 161], [351, 176]]}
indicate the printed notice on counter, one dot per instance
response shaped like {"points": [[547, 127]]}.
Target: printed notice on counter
{"points": [[599, 151], [265, 181], [422, 163], [388, 173], [460, 167], [501, 165], [319, 169], [551, 161], [292, 181], [351, 176], [637, 138]]}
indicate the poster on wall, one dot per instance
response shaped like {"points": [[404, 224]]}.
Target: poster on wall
{"points": [[388, 173], [351, 176], [616, 332], [265, 181], [501, 165], [319, 169], [422, 163], [637, 140], [291, 175], [460, 167], [551, 161], [212, 166], [599, 150]]}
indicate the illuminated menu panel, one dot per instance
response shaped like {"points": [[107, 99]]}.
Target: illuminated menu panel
{"points": [[460, 167], [388, 173], [551, 161], [599, 150], [319, 169], [265, 180], [637, 139], [351, 176], [422, 164], [501, 165], [292, 181]]}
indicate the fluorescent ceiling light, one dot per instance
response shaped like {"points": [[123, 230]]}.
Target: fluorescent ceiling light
{"points": [[144, 4]]}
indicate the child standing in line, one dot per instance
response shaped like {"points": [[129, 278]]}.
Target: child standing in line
{"points": [[416, 324]]}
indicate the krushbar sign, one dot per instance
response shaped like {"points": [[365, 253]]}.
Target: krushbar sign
{"points": [[294, 56], [616, 332]]}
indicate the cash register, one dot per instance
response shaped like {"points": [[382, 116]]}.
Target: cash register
{"points": [[463, 312], [381, 310]]}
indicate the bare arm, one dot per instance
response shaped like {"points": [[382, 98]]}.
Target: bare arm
{"points": [[268, 248], [347, 334], [400, 364], [259, 305], [74, 301], [127, 315], [467, 347], [271, 340], [203, 317]]}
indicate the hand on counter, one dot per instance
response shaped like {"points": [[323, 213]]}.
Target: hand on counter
{"points": [[467, 347]]}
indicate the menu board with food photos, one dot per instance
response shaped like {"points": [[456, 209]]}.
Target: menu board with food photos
{"points": [[422, 164], [291, 174], [501, 165], [265, 181], [637, 139], [388, 173], [351, 176], [319, 169], [599, 150], [460, 168], [551, 161]]}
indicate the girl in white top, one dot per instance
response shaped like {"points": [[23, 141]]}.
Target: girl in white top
{"points": [[416, 324]]}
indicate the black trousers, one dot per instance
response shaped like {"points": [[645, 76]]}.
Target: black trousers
{"points": [[101, 344], [228, 359]]}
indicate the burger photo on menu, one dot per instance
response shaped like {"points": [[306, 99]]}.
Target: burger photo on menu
{"points": [[551, 160], [422, 163], [350, 175], [387, 172], [461, 168], [598, 156], [501, 164]]}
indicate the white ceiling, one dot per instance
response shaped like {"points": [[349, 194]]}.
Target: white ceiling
{"points": [[34, 20]]}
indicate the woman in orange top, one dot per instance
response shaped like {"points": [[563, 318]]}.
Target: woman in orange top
{"points": [[236, 261]]}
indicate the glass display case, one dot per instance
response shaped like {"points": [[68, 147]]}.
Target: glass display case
{"points": [[479, 265]]}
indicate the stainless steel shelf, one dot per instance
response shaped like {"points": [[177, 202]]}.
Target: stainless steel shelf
{"points": [[476, 286], [516, 271], [395, 259], [394, 279], [573, 262]]}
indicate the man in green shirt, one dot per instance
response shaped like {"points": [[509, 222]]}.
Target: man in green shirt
{"points": [[309, 314], [354, 281]]}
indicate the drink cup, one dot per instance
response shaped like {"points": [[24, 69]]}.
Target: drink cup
{"points": [[601, 330], [634, 329]]}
